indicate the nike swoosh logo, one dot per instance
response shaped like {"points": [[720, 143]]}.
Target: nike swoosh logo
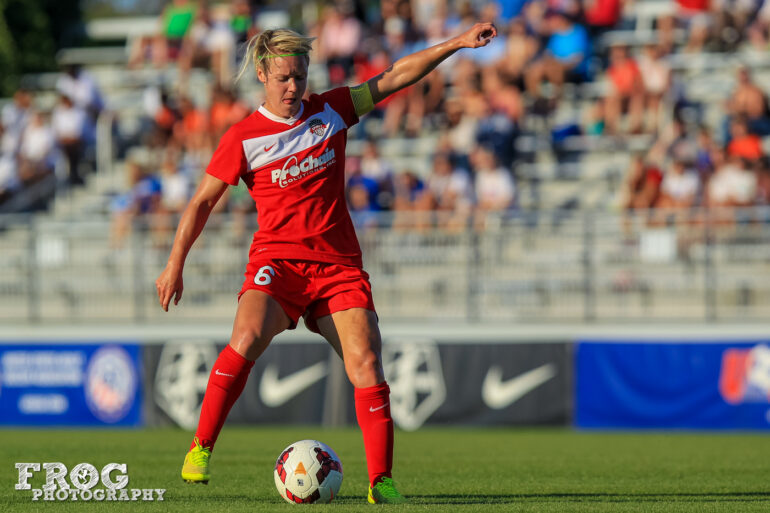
{"points": [[267, 148], [499, 394], [274, 391], [372, 409], [223, 374]]}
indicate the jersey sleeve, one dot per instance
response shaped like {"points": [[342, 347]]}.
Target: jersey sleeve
{"points": [[229, 159], [341, 101]]}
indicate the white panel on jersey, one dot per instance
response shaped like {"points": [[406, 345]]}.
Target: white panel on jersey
{"points": [[261, 151], [286, 121]]}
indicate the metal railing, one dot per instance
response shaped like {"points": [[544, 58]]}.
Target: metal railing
{"points": [[523, 267]]}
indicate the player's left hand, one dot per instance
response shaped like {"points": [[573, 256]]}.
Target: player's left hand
{"points": [[478, 35]]}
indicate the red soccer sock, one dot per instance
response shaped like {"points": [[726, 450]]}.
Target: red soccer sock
{"points": [[226, 382], [373, 414]]}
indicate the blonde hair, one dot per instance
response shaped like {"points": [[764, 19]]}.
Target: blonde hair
{"points": [[269, 44]]}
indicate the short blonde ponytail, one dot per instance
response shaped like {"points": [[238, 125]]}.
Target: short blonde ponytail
{"points": [[274, 43]]}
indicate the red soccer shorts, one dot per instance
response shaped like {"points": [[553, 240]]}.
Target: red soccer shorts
{"points": [[310, 289]]}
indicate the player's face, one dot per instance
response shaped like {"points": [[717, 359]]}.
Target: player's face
{"points": [[285, 84]]}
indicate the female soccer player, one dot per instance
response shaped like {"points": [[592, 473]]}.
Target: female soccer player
{"points": [[305, 259]]}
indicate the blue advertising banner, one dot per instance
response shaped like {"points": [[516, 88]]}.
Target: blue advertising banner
{"points": [[672, 385], [70, 385]]}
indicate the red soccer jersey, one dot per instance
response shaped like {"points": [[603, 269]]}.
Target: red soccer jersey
{"points": [[295, 171]]}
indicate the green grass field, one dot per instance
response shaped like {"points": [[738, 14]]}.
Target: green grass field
{"points": [[453, 469]]}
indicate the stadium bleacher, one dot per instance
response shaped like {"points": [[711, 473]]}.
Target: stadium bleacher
{"points": [[565, 250]]}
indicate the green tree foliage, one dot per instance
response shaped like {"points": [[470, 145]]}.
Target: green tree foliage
{"points": [[31, 31]]}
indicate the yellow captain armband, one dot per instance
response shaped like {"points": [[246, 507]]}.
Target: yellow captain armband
{"points": [[362, 98]]}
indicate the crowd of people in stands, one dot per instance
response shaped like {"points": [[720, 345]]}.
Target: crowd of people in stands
{"points": [[550, 54], [33, 141], [687, 168]]}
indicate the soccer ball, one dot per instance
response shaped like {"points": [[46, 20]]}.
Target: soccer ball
{"points": [[308, 471]]}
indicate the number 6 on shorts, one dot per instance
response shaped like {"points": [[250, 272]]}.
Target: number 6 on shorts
{"points": [[263, 276]]}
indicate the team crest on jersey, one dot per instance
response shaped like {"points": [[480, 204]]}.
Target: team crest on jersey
{"points": [[317, 127]]}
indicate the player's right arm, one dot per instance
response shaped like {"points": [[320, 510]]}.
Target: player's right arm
{"points": [[411, 68], [169, 284]]}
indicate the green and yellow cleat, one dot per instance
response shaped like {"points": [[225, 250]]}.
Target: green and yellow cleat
{"points": [[384, 492], [196, 464]]}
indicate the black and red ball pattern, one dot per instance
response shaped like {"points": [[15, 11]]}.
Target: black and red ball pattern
{"points": [[307, 500], [280, 463], [327, 464]]}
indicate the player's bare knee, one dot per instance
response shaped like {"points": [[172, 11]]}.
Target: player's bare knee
{"points": [[364, 370], [250, 341]]}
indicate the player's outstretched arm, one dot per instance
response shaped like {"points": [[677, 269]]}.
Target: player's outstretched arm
{"points": [[408, 70], [169, 284]]}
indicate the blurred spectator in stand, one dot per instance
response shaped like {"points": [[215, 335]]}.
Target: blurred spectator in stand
{"points": [[642, 185], [462, 18], [69, 124], [704, 154], [749, 100], [191, 131], [743, 144], [369, 65], [573, 9], [241, 22], [679, 189], [601, 15], [656, 77], [408, 187], [225, 111], [175, 21], [160, 116], [534, 18], [407, 106], [339, 38], [731, 22], [626, 92], [374, 167], [80, 86], [596, 118], [509, 10], [9, 178], [14, 117], [565, 58], [496, 129], [462, 122], [9, 175], [143, 197], [175, 190], [522, 48], [426, 12], [763, 185], [38, 146], [759, 29], [360, 206], [449, 191], [356, 179], [175, 186], [210, 44], [494, 186], [666, 25], [673, 143], [508, 101], [732, 185], [465, 78], [697, 17], [433, 85]]}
